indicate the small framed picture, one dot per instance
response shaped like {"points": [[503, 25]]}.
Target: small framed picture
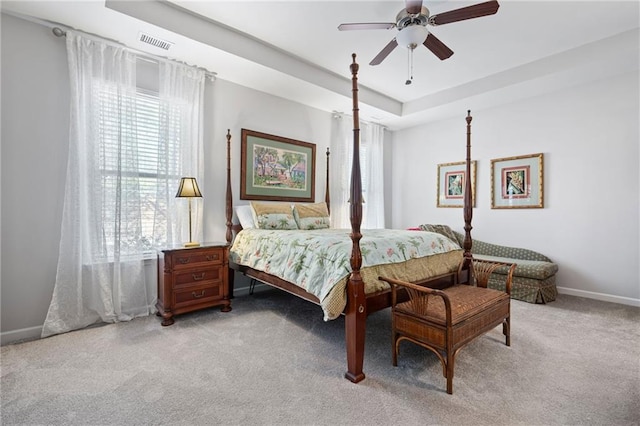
{"points": [[516, 182], [452, 183]]}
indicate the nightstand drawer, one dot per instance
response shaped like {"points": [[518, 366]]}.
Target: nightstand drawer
{"points": [[197, 295], [196, 277], [196, 258]]}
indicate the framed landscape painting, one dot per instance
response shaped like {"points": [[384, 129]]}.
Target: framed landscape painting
{"points": [[452, 183], [516, 182], [276, 168]]}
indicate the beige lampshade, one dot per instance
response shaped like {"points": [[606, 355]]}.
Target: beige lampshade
{"points": [[188, 188]]}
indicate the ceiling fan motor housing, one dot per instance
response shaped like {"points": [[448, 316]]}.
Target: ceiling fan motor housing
{"points": [[405, 19]]}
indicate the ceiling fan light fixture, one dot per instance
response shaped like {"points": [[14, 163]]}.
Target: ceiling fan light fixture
{"points": [[412, 36]]}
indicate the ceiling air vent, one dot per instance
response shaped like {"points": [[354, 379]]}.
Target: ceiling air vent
{"points": [[155, 41]]}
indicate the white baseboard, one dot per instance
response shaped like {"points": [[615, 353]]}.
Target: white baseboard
{"points": [[21, 335], [599, 296]]}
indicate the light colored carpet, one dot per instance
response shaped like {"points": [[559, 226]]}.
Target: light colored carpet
{"points": [[272, 360]]}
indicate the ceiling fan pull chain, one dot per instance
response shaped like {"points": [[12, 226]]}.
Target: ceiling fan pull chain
{"points": [[412, 63], [409, 67]]}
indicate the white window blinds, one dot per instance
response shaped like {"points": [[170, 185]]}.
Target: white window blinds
{"points": [[133, 156]]}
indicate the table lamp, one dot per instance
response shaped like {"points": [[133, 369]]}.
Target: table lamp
{"points": [[189, 189]]}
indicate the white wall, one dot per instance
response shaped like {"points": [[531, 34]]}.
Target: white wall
{"points": [[35, 120], [236, 107], [589, 136], [35, 117]]}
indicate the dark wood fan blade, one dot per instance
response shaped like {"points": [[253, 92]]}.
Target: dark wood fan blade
{"points": [[384, 52], [413, 6], [366, 26], [469, 12], [437, 47]]}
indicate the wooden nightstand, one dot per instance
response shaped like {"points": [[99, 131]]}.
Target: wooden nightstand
{"points": [[192, 278]]}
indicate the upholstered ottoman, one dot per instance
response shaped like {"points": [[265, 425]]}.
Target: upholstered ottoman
{"points": [[534, 281]]}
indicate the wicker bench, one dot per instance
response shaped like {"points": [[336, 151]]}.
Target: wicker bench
{"points": [[534, 279], [444, 321]]}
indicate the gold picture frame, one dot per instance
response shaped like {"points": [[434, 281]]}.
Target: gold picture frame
{"points": [[517, 182], [451, 184]]}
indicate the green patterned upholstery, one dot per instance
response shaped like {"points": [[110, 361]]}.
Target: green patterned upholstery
{"points": [[536, 269], [534, 279], [443, 230], [480, 247], [527, 289]]}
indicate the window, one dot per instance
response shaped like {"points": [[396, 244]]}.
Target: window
{"points": [[135, 166], [371, 171], [127, 150]]}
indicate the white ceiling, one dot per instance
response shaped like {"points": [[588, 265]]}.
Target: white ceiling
{"points": [[293, 49]]}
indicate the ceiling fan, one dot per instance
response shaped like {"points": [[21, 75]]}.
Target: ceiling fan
{"points": [[411, 23]]}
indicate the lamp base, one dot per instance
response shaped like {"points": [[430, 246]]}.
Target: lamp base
{"points": [[192, 244]]}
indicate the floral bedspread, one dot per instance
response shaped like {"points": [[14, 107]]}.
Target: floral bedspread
{"points": [[317, 260]]}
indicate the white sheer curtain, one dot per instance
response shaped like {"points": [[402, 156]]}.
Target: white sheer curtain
{"points": [[371, 141], [372, 170], [181, 119], [340, 170], [120, 200]]}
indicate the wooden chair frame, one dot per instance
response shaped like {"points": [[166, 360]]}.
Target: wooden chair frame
{"points": [[464, 313]]}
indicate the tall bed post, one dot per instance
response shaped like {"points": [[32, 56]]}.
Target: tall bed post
{"points": [[327, 198], [468, 201], [356, 311], [229, 200], [229, 209]]}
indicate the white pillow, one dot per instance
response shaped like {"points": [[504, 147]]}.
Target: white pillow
{"points": [[245, 216]]}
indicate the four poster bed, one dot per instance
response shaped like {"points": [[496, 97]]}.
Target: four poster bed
{"points": [[359, 292]]}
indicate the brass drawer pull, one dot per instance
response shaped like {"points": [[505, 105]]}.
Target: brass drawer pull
{"points": [[197, 277], [197, 296], [211, 257], [184, 260]]}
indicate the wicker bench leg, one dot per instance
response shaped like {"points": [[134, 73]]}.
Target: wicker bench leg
{"points": [[506, 330], [450, 363], [394, 355]]}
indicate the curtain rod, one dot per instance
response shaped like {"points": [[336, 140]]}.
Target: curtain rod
{"points": [[59, 32]]}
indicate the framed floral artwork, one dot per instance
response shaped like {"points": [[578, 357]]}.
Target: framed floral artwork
{"points": [[516, 182], [452, 183], [276, 168]]}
